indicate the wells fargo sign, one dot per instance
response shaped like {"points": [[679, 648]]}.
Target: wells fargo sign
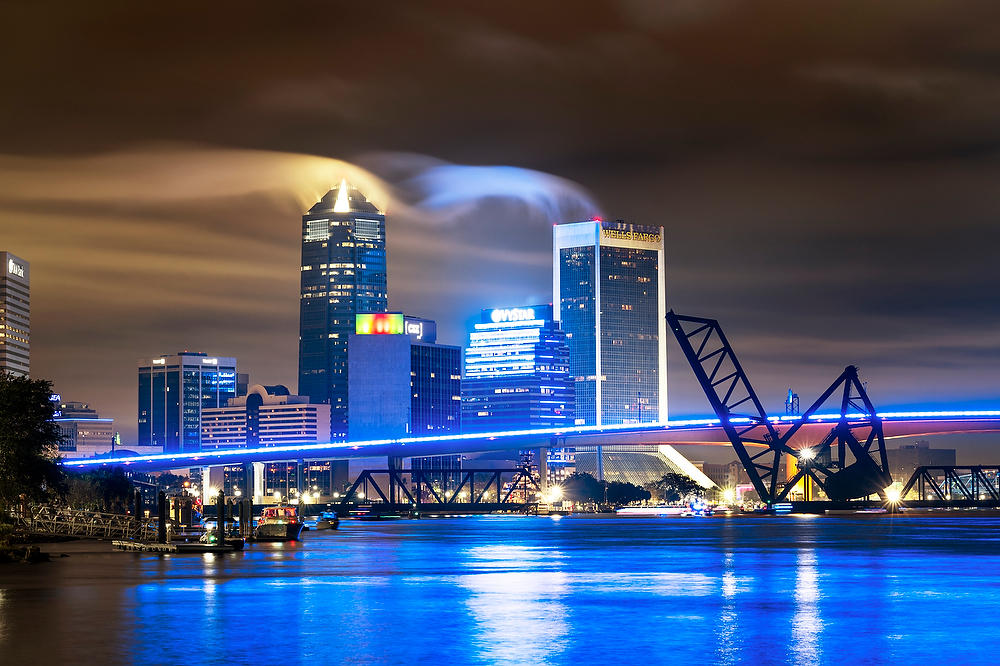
{"points": [[618, 234]]}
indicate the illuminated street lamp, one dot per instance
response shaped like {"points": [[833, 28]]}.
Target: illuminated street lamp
{"points": [[806, 454]]}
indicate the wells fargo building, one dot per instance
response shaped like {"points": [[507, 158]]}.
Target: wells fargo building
{"points": [[609, 289]]}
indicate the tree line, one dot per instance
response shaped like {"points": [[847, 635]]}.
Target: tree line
{"points": [[584, 488], [29, 454]]}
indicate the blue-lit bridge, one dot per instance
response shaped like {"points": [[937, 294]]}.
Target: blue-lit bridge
{"points": [[706, 432]]}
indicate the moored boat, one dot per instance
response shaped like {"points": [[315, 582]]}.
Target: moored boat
{"points": [[328, 520], [278, 523]]}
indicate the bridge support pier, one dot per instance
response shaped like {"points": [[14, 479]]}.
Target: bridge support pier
{"points": [[258, 483], [543, 470], [246, 480], [299, 477]]}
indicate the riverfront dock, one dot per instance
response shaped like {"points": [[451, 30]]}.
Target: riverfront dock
{"points": [[180, 548]]}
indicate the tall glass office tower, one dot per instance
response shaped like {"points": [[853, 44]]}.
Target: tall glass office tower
{"points": [[517, 372], [343, 274], [173, 391], [15, 311], [608, 284]]}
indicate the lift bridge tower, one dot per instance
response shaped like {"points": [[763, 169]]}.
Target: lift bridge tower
{"points": [[849, 463]]}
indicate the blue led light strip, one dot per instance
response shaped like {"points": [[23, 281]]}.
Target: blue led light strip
{"points": [[219, 457]]}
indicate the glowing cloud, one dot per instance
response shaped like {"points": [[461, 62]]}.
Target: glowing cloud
{"points": [[418, 187]]}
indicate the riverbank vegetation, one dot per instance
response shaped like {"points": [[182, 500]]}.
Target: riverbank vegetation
{"points": [[585, 489], [673, 487], [29, 442]]}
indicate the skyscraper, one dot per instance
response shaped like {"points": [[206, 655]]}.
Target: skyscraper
{"points": [[608, 286], [517, 372], [343, 274], [14, 314], [173, 390]]}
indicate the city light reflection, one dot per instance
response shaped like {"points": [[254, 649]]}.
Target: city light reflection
{"points": [[517, 604], [806, 623]]}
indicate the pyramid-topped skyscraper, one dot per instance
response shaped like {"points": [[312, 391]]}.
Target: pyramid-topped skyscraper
{"points": [[343, 274]]}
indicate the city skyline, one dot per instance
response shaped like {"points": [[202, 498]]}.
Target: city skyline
{"points": [[830, 207]]}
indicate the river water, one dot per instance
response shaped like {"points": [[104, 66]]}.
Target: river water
{"points": [[532, 590]]}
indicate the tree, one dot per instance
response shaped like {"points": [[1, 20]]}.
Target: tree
{"points": [[29, 441], [673, 487], [102, 490], [622, 492], [582, 488]]}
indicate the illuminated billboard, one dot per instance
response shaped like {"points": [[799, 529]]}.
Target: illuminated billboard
{"points": [[516, 315], [379, 323]]}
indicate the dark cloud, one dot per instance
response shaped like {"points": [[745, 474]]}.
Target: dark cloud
{"points": [[826, 172]]}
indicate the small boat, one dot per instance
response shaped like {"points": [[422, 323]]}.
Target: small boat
{"points": [[651, 511], [328, 520], [278, 523]]}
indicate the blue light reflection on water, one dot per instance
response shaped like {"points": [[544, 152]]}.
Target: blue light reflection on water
{"points": [[509, 590]]}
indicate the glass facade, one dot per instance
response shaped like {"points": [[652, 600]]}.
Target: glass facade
{"points": [[436, 381], [15, 315], [609, 283], [629, 335], [173, 391], [343, 273], [578, 299], [517, 372]]}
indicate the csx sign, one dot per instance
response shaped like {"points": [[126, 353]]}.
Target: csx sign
{"points": [[512, 314], [15, 268]]}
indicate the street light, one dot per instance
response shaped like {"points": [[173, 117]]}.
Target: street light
{"points": [[554, 495], [806, 454]]}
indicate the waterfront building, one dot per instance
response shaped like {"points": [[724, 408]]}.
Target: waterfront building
{"points": [[266, 416], [905, 460], [15, 310], [343, 273], [401, 380], [608, 286], [517, 377], [83, 430], [271, 416], [173, 391]]}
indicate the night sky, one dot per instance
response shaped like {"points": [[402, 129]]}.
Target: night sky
{"points": [[826, 174]]}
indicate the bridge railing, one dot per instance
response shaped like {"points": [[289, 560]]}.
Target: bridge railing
{"points": [[421, 487], [61, 521], [973, 483]]}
